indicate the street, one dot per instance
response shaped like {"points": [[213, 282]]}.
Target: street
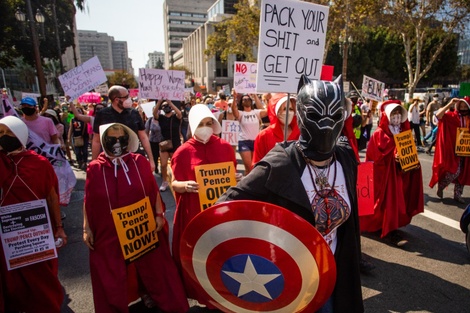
{"points": [[429, 274]]}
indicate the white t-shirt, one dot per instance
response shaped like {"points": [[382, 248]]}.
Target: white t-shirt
{"points": [[413, 115], [249, 124], [340, 203]]}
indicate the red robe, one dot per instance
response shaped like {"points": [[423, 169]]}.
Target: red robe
{"points": [[445, 159], [36, 287], [193, 153], [398, 195], [110, 276]]}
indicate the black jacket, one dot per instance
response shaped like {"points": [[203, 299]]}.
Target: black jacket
{"points": [[277, 179]]}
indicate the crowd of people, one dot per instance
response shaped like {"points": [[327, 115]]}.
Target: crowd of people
{"points": [[291, 154]]}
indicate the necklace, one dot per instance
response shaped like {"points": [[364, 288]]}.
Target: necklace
{"points": [[321, 175]]}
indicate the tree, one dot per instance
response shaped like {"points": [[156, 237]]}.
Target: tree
{"points": [[122, 78], [159, 64], [418, 20], [237, 34]]}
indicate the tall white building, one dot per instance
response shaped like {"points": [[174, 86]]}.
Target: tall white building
{"points": [[180, 19], [154, 58]]}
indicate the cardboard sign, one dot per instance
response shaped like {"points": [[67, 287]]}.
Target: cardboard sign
{"points": [[372, 88], [365, 188], [406, 150], [136, 229], [148, 108], [291, 43], [244, 77], [102, 89], [161, 84], [462, 143], [464, 89], [214, 180], [83, 78], [26, 236], [231, 131]]}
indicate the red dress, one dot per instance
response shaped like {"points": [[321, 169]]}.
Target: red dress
{"points": [[36, 287], [398, 195], [193, 153], [110, 276], [445, 160]]}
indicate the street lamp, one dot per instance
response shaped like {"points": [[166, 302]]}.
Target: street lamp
{"points": [[21, 17], [344, 52]]}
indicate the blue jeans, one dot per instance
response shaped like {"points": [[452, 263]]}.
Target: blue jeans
{"points": [[327, 307]]}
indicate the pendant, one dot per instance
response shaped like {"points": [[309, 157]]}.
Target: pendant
{"points": [[321, 181]]}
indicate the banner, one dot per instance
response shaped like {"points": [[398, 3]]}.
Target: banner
{"points": [[83, 78], [214, 180], [27, 236], [462, 144], [6, 108], [244, 77], [372, 89], [161, 84], [291, 43], [406, 149], [136, 229], [231, 131], [365, 188]]}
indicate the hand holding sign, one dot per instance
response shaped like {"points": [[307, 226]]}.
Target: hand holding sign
{"points": [[191, 186]]}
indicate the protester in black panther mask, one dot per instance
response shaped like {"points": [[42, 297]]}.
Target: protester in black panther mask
{"points": [[315, 178]]}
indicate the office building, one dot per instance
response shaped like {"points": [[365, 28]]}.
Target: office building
{"points": [[154, 59]]}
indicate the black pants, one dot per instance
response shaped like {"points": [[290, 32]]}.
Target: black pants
{"points": [[417, 132], [156, 153]]}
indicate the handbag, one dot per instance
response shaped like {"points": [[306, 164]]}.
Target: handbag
{"points": [[78, 141], [167, 145]]}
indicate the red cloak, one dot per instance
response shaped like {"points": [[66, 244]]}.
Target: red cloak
{"points": [[36, 287], [193, 153], [445, 159], [110, 276], [398, 195]]}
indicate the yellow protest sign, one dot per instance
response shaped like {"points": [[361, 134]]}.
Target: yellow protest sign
{"points": [[214, 180], [462, 144], [406, 150], [136, 229]]}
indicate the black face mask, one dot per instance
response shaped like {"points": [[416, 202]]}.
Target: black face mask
{"points": [[10, 143], [464, 112], [167, 109], [28, 111], [321, 111]]}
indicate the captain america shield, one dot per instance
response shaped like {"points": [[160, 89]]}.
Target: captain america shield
{"points": [[251, 256]]}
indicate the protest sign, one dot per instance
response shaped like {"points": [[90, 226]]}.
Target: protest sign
{"points": [[365, 188], [214, 180], [27, 236], [35, 96], [464, 89], [291, 43], [148, 108], [406, 149], [82, 78], [462, 144], [102, 89], [227, 91], [133, 93], [136, 229], [161, 84], [372, 88], [231, 131], [244, 77]]}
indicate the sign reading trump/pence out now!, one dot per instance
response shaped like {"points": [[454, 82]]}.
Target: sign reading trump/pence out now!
{"points": [[214, 180], [462, 144], [406, 149], [136, 229]]}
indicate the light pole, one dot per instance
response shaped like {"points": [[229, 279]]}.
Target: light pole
{"points": [[20, 16]]}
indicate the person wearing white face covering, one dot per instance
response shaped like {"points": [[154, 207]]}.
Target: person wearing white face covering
{"points": [[274, 133], [122, 181], [398, 195], [120, 111], [204, 147]]}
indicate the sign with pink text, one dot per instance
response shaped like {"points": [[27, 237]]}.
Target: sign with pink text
{"points": [[161, 84], [244, 77]]}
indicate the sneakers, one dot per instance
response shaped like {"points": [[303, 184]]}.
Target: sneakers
{"points": [[440, 193], [164, 186], [396, 239]]}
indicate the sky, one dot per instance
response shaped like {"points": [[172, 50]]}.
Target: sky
{"points": [[139, 22]]}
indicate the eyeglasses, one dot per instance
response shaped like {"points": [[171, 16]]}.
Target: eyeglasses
{"points": [[246, 99], [123, 140], [125, 97]]}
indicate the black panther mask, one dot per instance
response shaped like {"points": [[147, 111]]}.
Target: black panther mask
{"points": [[321, 112]]}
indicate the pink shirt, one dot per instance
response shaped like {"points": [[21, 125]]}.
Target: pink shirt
{"points": [[43, 127]]}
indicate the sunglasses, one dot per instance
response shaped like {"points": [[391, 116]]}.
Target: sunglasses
{"points": [[123, 140]]}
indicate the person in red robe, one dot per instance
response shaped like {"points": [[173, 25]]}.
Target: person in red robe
{"points": [[274, 133], [116, 179], [26, 176], [202, 148], [398, 195], [447, 166]]}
